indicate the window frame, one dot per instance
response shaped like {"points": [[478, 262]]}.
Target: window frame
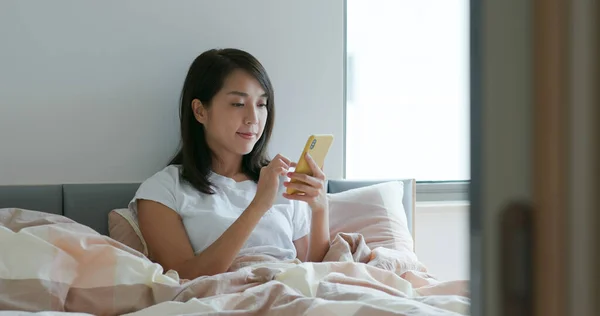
{"points": [[442, 191]]}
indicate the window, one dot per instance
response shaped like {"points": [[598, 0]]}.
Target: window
{"points": [[407, 91]]}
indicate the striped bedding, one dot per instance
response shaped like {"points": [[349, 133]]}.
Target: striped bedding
{"points": [[50, 263]]}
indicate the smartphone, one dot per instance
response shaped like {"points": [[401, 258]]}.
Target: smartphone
{"points": [[318, 147]]}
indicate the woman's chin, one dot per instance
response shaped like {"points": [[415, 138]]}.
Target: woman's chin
{"points": [[243, 146], [245, 150]]}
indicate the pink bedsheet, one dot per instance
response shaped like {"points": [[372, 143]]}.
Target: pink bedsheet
{"points": [[50, 263]]}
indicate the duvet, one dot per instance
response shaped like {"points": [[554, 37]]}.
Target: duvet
{"points": [[53, 264]]}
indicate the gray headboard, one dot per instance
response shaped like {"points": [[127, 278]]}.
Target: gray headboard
{"points": [[89, 204]]}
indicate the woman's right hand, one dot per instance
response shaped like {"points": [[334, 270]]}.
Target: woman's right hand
{"points": [[268, 182]]}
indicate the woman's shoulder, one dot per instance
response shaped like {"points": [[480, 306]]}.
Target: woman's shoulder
{"points": [[167, 176], [162, 185], [170, 173]]}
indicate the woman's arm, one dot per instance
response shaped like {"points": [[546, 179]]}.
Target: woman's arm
{"points": [[319, 235], [314, 246], [314, 193], [169, 244]]}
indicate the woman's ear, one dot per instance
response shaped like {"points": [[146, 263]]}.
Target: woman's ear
{"points": [[200, 112]]}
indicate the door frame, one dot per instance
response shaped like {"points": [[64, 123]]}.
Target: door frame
{"points": [[535, 127], [583, 253], [550, 155]]}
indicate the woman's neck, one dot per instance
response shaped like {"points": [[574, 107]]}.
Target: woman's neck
{"points": [[229, 166]]}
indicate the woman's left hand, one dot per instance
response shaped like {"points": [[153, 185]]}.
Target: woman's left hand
{"points": [[311, 189]]}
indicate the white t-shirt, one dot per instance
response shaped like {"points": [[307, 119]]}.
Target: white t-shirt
{"points": [[207, 216]]}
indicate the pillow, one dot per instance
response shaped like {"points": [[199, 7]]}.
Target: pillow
{"points": [[374, 211], [123, 227]]}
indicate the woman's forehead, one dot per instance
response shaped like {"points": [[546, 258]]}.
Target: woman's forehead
{"points": [[243, 84]]}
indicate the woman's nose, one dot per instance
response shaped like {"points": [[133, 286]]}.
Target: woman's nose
{"points": [[251, 115]]}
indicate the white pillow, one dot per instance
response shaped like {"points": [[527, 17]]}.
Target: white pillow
{"points": [[376, 212]]}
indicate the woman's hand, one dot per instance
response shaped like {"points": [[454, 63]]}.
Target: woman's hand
{"points": [[268, 182], [311, 189]]}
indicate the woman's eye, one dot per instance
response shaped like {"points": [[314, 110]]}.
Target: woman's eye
{"points": [[238, 104], [262, 105]]}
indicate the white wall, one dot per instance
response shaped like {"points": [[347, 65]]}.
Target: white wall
{"points": [[442, 238], [89, 89]]}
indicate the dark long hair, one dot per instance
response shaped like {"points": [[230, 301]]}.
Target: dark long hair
{"points": [[204, 79]]}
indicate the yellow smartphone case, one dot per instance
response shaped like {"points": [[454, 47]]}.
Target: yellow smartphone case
{"points": [[318, 147]]}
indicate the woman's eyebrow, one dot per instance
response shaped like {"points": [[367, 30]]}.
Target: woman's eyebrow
{"points": [[243, 94]]}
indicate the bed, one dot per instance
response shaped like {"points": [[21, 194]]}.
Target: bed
{"points": [[57, 257]]}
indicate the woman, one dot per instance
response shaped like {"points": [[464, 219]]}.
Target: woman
{"points": [[221, 197]]}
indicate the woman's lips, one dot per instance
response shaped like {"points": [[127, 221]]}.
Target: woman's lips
{"points": [[246, 135]]}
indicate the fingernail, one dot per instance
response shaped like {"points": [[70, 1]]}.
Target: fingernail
{"points": [[290, 174]]}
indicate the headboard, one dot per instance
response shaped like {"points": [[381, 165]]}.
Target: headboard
{"points": [[89, 204]]}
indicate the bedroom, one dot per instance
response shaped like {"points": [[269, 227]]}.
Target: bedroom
{"points": [[93, 91]]}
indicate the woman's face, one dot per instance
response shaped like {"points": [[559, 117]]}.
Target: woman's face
{"points": [[236, 117]]}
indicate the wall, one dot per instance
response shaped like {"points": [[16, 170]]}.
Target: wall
{"points": [[442, 238], [89, 89]]}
